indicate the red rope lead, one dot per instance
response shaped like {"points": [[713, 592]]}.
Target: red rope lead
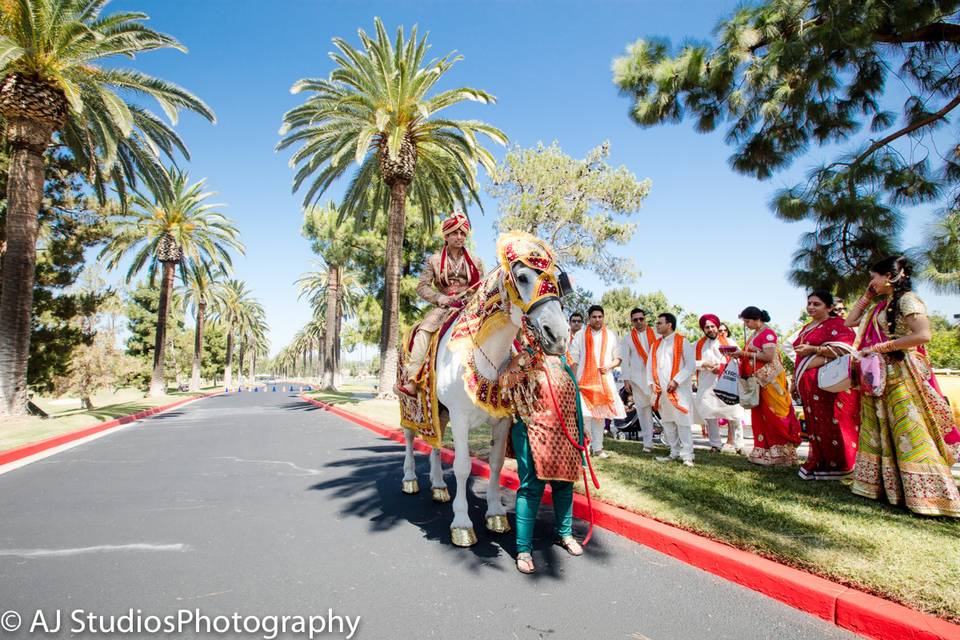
{"points": [[581, 448]]}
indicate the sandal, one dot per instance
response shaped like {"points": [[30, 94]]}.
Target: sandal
{"points": [[525, 563], [571, 545]]}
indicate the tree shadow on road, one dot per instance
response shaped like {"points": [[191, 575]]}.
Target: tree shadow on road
{"points": [[369, 483]]}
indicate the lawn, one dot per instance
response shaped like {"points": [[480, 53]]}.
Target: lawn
{"points": [[817, 526], [67, 415]]}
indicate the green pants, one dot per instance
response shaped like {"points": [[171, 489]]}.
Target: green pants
{"points": [[531, 491]]}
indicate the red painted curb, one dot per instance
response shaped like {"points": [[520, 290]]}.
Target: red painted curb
{"points": [[847, 608], [12, 455]]}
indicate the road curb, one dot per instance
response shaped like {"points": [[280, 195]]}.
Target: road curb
{"points": [[844, 606], [34, 448]]}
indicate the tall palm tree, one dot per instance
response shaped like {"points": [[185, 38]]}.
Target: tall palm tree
{"points": [[316, 332], [201, 288], [374, 109], [334, 294], [51, 83], [174, 227], [236, 311]]}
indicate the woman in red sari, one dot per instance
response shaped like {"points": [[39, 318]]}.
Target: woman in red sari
{"points": [[776, 430], [832, 418]]}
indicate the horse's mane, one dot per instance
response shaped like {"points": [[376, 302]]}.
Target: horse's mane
{"points": [[485, 312]]}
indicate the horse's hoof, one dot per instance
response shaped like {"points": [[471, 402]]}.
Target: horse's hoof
{"points": [[498, 524], [441, 494], [411, 486], [463, 536]]}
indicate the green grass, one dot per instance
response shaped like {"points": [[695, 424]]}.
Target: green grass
{"points": [[69, 416], [820, 527]]}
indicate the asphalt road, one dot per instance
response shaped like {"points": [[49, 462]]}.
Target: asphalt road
{"points": [[261, 505]]}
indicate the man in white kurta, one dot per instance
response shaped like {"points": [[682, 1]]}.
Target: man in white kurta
{"points": [[598, 389], [669, 375], [710, 364], [634, 351]]}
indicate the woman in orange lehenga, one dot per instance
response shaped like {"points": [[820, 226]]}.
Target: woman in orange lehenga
{"points": [[776, 429], [908, 437]]}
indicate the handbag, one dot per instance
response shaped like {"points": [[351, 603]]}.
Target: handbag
{"points": [[727, 387], [873, 375], [749, 389], [837, 375]]}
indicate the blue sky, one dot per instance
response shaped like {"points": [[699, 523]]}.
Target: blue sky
{"points": [[548, 64]]}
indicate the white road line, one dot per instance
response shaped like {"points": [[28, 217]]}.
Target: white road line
{"points": [[103, 548]]}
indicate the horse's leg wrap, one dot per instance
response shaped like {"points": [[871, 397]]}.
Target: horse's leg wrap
{"points": [[409, 464], [461, 468]]}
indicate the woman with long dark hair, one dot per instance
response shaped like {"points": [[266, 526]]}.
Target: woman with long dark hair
{"points": [[776, 429], [832, 418], [908, 437]]}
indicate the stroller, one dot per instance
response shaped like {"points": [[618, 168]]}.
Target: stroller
{"points": [[629, 427]]}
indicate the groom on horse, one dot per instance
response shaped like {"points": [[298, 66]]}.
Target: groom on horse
{"points": [[445, 281]]}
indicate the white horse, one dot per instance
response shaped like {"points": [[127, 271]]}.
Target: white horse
{"points": [[545, 320]]}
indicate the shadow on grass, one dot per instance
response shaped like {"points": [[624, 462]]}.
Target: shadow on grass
{"points": [[765, 509], [368, 482]]}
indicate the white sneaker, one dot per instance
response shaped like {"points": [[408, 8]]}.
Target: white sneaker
{"points": [[688, 463]]}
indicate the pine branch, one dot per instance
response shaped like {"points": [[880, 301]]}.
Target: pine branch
{"points": [[909, 129]]}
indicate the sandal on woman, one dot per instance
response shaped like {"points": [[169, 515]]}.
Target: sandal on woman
{"points": [[571, 545], [525, 563]]}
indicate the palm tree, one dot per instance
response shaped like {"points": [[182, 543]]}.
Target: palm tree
{"points": [[52, 84], [236, 311], [334, 294], [942, 256], [174, 227], [201, 288], [316, 332], [374, 109]]}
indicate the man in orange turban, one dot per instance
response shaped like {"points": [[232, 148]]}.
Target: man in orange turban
{"points": [[447, 277]]}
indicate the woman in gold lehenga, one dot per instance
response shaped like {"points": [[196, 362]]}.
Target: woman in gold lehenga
{"points": [[908, 438]]}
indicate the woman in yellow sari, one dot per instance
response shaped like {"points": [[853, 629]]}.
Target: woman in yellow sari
{"points": [[776, 429], [908, 438]]}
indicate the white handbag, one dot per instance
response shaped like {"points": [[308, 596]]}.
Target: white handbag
{"points": [[836, 376]]}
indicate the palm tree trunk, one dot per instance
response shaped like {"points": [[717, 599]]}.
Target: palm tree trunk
{"points": [[242, 359], [28, 140], [390, 322], [158, 385], [197, 347], [253, 366], [337, 378], [329, 337], [228, 370]]}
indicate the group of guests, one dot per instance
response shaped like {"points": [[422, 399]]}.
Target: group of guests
{"points": [[898, 441]]}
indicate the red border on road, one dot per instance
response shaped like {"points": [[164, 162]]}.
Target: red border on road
{"points": [[12, 455], [845, 607]]}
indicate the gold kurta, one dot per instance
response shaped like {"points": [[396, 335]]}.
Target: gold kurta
{"points": [[431, 287]]}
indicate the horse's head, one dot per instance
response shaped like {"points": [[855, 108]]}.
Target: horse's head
{"points": [[534, 285]]}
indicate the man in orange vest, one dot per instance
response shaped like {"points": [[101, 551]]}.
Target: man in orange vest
{"points": [[635, 350], [669, 375], [595, 355], [710, 364]]}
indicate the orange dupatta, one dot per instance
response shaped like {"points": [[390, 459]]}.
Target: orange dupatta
{"points": [[593, 386], [651, 338], [723, 341], [675, 368]]}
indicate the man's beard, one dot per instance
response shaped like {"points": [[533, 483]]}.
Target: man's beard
{"points": [[713, 335]]}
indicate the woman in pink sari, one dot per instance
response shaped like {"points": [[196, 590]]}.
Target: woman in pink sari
{"points": [[908, 437], [776, 430], [832, 418]]}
